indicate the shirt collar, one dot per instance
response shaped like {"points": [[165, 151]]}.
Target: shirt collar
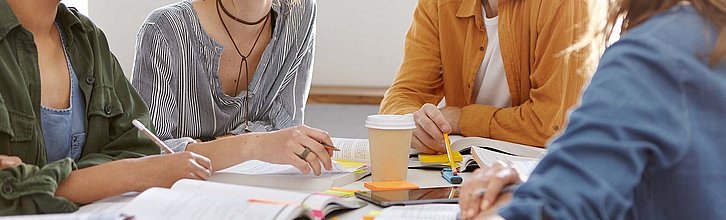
{"points": [[8, 21], [469, 8], [65, 16]]}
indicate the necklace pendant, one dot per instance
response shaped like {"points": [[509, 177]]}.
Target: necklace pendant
{"points": [[247, 126]]}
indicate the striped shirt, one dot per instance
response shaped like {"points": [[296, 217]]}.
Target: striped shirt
{"points": [[176, 71]]}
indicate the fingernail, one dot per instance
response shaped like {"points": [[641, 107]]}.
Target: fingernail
{"points": [[484, 204], [472, 212]]}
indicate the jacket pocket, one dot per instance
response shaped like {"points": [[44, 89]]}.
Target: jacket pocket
{"points": [[105, 103], [5, 119], [17, 125]]}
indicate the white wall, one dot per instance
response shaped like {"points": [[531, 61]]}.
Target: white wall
{"points": [[359, 42], [81, 5], [120, 20]]}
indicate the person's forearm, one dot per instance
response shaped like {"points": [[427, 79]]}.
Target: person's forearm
{"points": [[225, 152], [98, 182]]}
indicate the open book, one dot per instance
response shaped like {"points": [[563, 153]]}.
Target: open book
{"points": [[348, 167], [351, 150], [194, 199], [464, 145], [523, 165]]}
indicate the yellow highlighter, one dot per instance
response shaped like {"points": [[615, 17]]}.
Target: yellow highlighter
{"points": [[450, 154]]}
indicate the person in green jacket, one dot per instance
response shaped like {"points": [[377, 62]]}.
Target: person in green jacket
{"points": [[66, 108]]}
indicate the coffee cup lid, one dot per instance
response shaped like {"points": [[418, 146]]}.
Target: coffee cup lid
{"points": [[393, 122]]}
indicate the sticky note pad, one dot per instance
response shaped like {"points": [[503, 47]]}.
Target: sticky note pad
{"points": [[372, 215], [338, 193], [439, 158], [351, 164], [341, 192], [339, 189], [390, 185]]}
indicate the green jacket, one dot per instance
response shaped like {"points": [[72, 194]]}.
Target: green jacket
{"points": [[111, 105]]}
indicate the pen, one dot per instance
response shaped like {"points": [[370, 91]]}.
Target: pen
{"points": [[153, 137], [449, 153]]}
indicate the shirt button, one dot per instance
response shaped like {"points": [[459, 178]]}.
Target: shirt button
{"points": [[556, 127], [7, 188], [107, 109], [481, 48], [90, 80]]}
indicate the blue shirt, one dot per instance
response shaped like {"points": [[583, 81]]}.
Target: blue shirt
{"points": [[649, 139], [64, 130]]}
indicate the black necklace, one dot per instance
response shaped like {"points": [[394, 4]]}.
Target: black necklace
{"points": [[244, 57], [230, 15]]}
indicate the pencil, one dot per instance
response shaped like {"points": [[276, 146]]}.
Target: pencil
{"points": [[329, 147], [153, 137], [450, 154]]}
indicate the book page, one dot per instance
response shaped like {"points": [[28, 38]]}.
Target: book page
{"points": [[523, 165], [256, 167], [459, 143], [97, 210], [159, 203], [241, 192], [423, 212], [315, 202], [351, 149]]}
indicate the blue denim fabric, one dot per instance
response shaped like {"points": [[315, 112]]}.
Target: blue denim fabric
{"points": [[64, 130], [648, 140]]}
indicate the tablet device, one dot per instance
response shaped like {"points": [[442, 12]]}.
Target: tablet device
{"points": [[411, 196]]}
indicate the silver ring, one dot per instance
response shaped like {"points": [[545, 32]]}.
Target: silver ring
{"points": [[304, 154], [478, 192]]}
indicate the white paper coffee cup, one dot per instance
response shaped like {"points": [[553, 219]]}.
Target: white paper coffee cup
{"points": [[389, 137]]}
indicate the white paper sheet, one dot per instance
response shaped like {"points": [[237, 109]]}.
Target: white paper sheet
{"points": [[256, 167], [421, 212]]}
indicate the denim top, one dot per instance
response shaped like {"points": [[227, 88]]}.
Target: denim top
{"points": [[647, 141], [64, 130]]}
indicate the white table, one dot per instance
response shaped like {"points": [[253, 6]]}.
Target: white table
{"points": [[423, 178]]}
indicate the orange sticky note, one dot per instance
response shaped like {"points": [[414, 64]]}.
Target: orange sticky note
{"points": [[390, 185]]}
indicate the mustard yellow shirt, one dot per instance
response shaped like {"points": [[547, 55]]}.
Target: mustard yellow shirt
{"points": [[445, 46]]}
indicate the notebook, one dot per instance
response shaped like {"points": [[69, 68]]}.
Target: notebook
{"points": [[349, 166], [523, 165], [194, 199], [464, 146], [467, 163]]}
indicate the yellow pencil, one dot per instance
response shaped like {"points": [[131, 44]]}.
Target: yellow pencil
{"points": [[450, 154]]}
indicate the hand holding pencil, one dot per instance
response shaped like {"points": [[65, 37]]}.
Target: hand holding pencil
{"points": [[165, 170], [307, 149]]}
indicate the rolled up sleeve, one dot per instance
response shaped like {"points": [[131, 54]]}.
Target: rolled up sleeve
{"points": [[29, 189]]}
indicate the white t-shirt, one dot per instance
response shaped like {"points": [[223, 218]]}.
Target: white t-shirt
{"points": [[491, 81]]}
